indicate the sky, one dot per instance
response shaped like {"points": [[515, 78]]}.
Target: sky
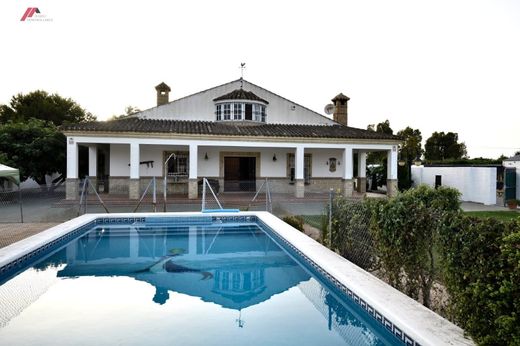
{"points": [[443, 65]]}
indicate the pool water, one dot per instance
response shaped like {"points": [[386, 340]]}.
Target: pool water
{"points": [[216, 284]]}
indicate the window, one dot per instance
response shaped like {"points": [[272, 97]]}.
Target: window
{"points": [[227, 111], [291, 170], [219, 112], [237, 111], [240, 111], [178, 165], [257, 112], [249, 111]]}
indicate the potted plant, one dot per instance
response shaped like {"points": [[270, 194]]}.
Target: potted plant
{"points": [[512, 203]]}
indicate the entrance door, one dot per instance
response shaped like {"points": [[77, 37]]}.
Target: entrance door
{"points": [[239, 174], [510, 184]]}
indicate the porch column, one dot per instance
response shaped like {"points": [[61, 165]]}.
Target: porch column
{"points": [[133, 185], [362, 172], [298, 174], [71, 184], [192, 181], [391, 178], [348, 168], [92, 164]]}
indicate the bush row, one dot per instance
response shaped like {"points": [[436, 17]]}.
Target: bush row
{"points": [[420, 237]]}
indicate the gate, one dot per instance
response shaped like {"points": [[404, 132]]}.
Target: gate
{"points": [[510, 184]]}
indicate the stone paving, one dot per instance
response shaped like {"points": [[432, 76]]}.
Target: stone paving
{"points": [[12, 232]]}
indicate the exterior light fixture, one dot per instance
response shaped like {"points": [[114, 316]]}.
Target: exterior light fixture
{"points": [[274, 157], [206, 157]]}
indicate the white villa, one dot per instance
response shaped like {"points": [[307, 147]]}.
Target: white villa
{"points": [[237, 134]]}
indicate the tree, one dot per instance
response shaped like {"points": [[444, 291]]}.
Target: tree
{"points": [[378, 172], [129, 110], [383, 127], [409, 151], [40, 105], [444, 146], [35, 147]]}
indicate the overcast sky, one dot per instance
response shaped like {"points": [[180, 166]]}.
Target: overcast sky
{"points": [[443, 65]]}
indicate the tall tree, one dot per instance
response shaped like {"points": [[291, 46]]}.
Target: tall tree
{"points": [[409, 151], [411, 148], [41, 105], [444, 146], [377, 173], [35, 147]]}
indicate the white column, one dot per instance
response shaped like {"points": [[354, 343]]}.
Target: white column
{"points": [[92, 160], [362, 164], [392, 163], [298, 163], [72, 159], [193, 174], [134, 160], [193, 161], [348, 163]]}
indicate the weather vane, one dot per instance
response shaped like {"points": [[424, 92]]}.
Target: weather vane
{"points": [[242, 68]]}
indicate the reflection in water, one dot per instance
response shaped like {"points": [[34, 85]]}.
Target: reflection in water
{"points": [[234, 268]]}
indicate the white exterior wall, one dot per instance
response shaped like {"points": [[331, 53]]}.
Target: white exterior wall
{"points": [[476, 184], [120, 157], [201, 107], [515, 164], [119, 160], [319, 159]]}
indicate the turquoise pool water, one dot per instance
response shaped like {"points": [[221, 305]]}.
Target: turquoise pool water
{"points": [[214, 284]]}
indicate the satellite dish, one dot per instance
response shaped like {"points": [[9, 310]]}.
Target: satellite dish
{"points": [[329, 109]]}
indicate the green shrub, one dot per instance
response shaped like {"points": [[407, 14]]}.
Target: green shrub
{"points": [[481, 262], [295, 221], [404, 231]]}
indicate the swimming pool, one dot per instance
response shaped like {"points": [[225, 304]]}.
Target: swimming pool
{"points": [[187, 279]]}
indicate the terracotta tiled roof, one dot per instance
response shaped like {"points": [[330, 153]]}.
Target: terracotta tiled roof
{"points": [[138, 125], [240, 94]]}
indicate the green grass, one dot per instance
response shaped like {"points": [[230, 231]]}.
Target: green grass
{"points": [[500, 215]]}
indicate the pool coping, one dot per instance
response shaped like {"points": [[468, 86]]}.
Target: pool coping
{"points": [[421, 325]]}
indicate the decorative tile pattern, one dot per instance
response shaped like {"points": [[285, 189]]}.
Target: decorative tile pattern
{"points": [[43, 250]]}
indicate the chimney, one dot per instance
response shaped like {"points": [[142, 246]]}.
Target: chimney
{"points": [[340, 109], [163, 91]]}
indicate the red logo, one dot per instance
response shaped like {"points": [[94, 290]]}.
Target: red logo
{"points": [[29, 13]]}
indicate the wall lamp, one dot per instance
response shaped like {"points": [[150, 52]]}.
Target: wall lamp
{"points": [[274, 157], [206, 157]]}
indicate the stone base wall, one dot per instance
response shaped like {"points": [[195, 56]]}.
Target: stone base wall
{"points": [[134, 191], [300, 188], [348, 187], [71, 189], [391, 187], [193, 191], [361, 185], [118, 186]]}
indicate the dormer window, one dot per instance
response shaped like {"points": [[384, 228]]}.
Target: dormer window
{"points": [[240, 105]]}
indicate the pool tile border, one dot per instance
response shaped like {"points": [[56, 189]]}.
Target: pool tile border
{"points": [[371, 311]]}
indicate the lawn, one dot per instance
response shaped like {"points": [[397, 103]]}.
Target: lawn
{"points": [[500, 215]]}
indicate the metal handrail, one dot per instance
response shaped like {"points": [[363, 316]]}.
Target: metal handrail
{"points": [[204, 183], [154, 198], [84, 192]]}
